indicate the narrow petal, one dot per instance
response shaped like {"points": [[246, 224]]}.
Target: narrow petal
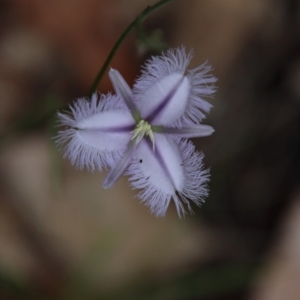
{"points": [[122, 89], [97, 133], [159, 173], [188, 132], [116, 172]]}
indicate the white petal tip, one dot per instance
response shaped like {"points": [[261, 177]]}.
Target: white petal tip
{"points": [[112, 71], [207, 130], [106, 184]]}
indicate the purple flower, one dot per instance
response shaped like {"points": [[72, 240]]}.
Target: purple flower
{"points": [[143, 132]]}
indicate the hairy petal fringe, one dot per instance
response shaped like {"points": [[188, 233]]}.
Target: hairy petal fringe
{"points": [[196, 177], [202, 85], [83, 108]]}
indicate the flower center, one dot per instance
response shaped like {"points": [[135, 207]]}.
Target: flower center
{"points": [[143, 128]]}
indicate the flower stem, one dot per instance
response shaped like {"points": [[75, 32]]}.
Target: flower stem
{"points": [[142, 16]]}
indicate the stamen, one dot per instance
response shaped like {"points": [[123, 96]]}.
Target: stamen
{"points": [[143, 128]]}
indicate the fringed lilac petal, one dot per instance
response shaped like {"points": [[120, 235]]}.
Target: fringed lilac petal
{"points": [[166, 100], [97, 133], [159, 173], [122, 89], [200, 82], [182, 162], [117, 171], [189, 132]]}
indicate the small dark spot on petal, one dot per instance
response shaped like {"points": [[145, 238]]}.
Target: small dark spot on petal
{"points": [[141, 160]]}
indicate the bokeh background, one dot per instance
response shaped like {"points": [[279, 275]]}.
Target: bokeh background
{"points": [[63, 237]]}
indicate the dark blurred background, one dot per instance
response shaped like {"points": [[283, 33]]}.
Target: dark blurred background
{"points": [[63, 237]]}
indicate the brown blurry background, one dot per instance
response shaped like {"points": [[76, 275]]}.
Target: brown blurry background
{"points": [[63, 237]]}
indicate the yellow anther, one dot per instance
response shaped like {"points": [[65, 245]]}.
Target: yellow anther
{"points": [[143, 128]]}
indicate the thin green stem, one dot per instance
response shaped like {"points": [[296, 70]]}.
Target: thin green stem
{"points": [[142, 16]]}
